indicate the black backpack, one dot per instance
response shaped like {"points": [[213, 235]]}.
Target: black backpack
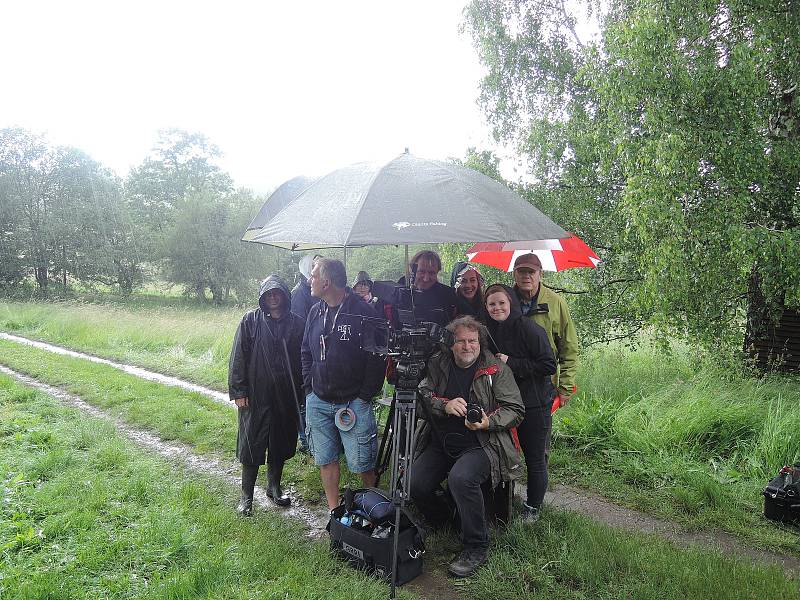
{"points": [[782, 495]]}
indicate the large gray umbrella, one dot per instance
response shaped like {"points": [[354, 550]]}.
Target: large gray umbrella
{"points": [[408, 200]]}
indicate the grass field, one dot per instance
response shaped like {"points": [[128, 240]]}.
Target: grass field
{"points": [[665, 434], [85, 515]]}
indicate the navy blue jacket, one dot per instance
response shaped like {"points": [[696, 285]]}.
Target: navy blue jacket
{"points": [[347, 372], [302, 300]]}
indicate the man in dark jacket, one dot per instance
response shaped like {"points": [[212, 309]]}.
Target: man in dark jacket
{"points": [[339, 380], [266, 389], [467, 453], [302, 301], [433, 301]]}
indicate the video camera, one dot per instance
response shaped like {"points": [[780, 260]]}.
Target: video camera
{"points": [[410, 340]]}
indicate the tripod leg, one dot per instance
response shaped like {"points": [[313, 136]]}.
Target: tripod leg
{"points": [[382, 462]]}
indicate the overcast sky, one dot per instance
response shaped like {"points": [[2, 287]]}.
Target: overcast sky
{"points": [[284, 88]]}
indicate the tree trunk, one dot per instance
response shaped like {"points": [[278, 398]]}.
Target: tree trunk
{"points": [[41, 278], [64, 268], [762, 316]]}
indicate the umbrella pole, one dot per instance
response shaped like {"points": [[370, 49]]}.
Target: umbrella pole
{"points": [[345, 258], [408, 271]]}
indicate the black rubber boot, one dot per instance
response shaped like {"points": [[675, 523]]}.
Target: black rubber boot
{"points": [[249, 474], [274, 472]]}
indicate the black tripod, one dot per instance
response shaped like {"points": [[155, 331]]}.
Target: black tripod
{"points": [[403, 420]]}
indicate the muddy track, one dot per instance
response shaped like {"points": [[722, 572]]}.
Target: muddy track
{"points": [[315, 520], [560, 496], [130, 369], [431, 585]]}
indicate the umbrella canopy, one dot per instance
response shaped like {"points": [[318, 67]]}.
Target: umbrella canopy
{"points": [[277, 201], [556, 255], [408, 200]]}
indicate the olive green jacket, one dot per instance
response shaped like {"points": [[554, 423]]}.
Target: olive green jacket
{"points": [[497, 392], [560, 329]]}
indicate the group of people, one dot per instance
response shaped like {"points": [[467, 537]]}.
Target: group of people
{"points": [[296, 370]]}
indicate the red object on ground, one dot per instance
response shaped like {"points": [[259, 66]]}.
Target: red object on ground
{"points": [[556, 254]]}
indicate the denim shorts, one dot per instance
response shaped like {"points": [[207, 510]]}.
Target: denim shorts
{"points": [[327, 442]]}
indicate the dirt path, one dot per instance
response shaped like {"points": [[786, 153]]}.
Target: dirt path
{"points": [[315, 520], [431, 585], [600, 509], [130, 369], [561, 496]]}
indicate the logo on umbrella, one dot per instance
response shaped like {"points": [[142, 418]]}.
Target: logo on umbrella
{"points": [[404, 224]]}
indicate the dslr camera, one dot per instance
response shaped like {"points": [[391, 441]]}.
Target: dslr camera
{"points": [[474, 412]]}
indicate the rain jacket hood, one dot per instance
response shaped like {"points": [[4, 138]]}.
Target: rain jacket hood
{"points": [[271, 283], [500, 328]]}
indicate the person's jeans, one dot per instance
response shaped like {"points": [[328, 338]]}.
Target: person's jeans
{"points": [[465, 475]]}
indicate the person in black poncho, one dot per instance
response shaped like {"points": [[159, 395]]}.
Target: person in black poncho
{"points": [[523, 346], [266, 389]]}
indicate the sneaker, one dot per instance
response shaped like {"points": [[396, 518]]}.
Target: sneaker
{"points": [[530, 514], [468, 562]]}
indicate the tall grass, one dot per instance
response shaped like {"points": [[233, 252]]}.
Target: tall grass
{"points": [[680, 438], [667, 433]]}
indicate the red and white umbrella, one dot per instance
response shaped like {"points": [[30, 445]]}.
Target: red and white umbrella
{"points": [[556, 255]]}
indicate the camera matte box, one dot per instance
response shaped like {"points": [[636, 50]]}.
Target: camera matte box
{"points": [[374, 555]]}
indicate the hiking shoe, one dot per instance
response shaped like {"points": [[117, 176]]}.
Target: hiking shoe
{"points": [[468, 562], [530, 514]]}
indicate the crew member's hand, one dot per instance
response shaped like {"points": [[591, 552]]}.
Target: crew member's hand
{"points": [[501, 356], [482, 424], [241, 402], [565, 394], [456, 407]]}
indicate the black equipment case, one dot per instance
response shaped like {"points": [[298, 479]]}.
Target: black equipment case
{"points": [[373, 554], [782, 495]]}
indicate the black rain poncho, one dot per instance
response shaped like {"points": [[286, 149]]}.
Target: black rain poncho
{"points": [[258, 370]]}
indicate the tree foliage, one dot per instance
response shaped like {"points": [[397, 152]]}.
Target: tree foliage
{"points": [[61, 212], [65, 218], [203, 249], [671, 144]]}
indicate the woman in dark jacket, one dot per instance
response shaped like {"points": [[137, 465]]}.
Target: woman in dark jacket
{"points": [[523, 346], [266, 389]]}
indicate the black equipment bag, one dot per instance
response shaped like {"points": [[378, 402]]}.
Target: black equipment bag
{"points": [[782, 495], [374, 554]]}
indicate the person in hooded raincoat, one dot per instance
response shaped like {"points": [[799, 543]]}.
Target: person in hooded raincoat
{"points": [[266, 389], [523, 346]]}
